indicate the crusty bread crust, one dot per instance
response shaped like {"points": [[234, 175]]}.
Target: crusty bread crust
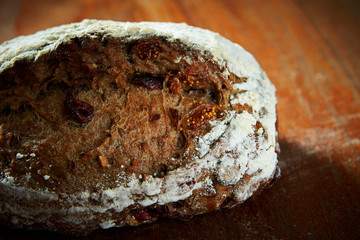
{"points": [[109, 124]]}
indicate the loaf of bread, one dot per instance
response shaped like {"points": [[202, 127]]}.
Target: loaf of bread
{"points": [[108, 124]]}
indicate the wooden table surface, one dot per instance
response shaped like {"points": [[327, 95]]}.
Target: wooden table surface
{"points": [[311, 52]]}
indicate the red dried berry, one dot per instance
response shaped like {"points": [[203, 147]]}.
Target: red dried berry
{"points": [[146, 50], [80, 111], [144, 215], [154, 117], [148, 81]]}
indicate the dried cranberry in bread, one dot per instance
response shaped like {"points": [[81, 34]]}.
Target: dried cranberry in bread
{"points": [[108, 124]]}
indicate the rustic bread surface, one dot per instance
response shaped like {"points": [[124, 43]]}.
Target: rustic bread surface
{"points": [[108, 124]]}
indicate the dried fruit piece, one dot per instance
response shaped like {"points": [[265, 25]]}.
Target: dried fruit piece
{"points": [[146, 50], [148, 81], [203, 114], [144, 215], [80, 111], [154, 117]]}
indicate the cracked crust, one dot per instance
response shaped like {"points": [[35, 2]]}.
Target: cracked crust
{"points": [[111, 124]]}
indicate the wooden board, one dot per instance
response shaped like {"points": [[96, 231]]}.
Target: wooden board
{"points": [[311, 52]]}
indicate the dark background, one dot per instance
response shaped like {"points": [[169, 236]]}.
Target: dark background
{"points": [[311, 52]]}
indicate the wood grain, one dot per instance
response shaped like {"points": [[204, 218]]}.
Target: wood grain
{"points": [[311, 52]]}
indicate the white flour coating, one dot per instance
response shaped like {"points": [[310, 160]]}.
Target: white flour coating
{"points": [[230, 150]]}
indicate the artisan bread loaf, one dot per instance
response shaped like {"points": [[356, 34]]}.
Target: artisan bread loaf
{"points": [[109, 124]]}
